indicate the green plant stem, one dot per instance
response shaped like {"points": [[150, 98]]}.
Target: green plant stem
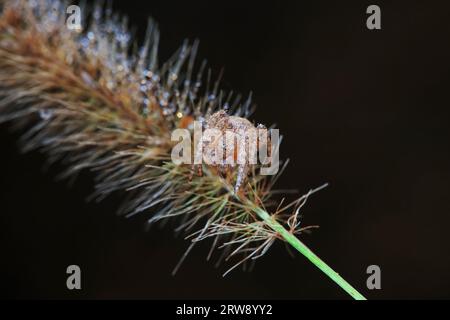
{"points": [[303, 249]]}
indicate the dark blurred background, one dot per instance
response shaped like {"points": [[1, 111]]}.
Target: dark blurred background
{"points": [[366, 111]]}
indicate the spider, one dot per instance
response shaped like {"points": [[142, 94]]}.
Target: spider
{"points": [[241, 127]]}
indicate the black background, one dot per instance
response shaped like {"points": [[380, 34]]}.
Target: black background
{"points": [[366, 111]]}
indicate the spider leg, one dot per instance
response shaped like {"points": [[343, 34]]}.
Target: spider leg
{"points": [[241, 176]]}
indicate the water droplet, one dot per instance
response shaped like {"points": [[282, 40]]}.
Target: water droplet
{"points": [[155, 78], [91, 36], [173, 76], [147, 73], [110, 85], [45, 114]]}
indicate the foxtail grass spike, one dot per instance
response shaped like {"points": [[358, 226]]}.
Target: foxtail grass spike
{"points": [[92, 98]]}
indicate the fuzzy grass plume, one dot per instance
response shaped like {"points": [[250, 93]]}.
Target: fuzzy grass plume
{"points": [[92, 98]]}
